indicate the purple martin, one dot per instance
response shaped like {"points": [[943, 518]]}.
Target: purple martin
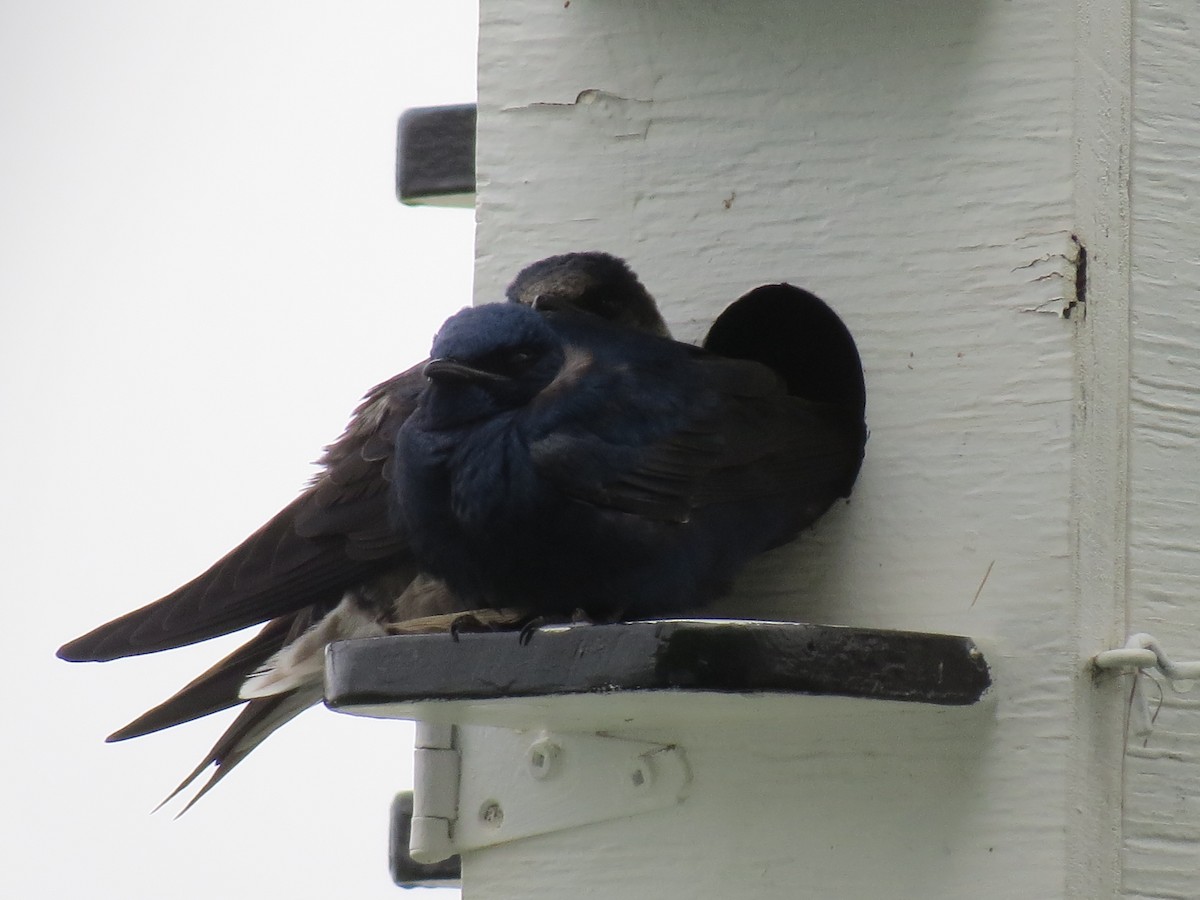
{"points": [[561, 464], [337, 561]]}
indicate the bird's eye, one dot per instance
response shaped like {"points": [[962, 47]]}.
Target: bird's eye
{"points": [[510, 363]]}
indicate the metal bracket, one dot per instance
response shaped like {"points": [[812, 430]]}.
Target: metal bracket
{"points": [[515, 784]]}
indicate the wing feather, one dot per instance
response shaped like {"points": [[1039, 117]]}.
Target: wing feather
{"points": [[334, 535]]}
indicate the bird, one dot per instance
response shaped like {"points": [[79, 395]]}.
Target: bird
{"points": [[562, 464], [334, 563]]}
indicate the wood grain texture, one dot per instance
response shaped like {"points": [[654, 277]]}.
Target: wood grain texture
{"points": [[913, 164], [1162, 777]]}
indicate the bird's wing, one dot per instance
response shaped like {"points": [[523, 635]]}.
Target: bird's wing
{"points": [[217, 688], [741, 436], [334, 535]]}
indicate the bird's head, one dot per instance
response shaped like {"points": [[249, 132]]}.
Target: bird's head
{"points": [[488, 359], [594, 283]]}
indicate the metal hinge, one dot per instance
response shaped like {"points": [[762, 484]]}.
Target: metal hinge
{"points": [[524, 783], [435, 792]]}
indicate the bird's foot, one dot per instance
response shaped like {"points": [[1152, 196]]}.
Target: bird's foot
{"points": [[533, 623], [460, 622], [467, 623], [483, 620]]}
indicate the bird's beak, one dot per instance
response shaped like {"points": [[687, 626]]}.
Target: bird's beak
{"points": [[444, 368]]}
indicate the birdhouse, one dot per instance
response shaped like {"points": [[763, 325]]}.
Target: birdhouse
{"points": [[917, 697]]}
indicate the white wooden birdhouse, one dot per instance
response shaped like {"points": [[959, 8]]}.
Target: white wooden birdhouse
{"points": [[1001, 199]]}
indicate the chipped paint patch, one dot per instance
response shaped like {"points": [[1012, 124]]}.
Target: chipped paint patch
{"points": [[1061, 271]]}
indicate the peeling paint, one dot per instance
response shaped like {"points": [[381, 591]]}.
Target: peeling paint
{"points": [[1065, 270], [624, 118], [586, 97]]}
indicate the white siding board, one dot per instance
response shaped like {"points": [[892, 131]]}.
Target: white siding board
{"points": [[1162, 778]]}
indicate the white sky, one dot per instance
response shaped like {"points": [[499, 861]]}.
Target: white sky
{"points": [[202, 268]]}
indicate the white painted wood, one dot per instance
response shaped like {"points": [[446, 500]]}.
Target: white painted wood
{"points": [[585, 778], [1100, 447], [826, 797], [1161, 824], [922, 167], [912, 164]]}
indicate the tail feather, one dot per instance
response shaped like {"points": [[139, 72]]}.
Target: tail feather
{"points": [[253, 725]]}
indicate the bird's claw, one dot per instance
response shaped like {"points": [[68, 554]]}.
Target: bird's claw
{"points": [[525, 635], [468, 622], [533, 623]]}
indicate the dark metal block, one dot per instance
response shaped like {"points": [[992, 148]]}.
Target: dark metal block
{"points": [[435, 155], [406, 872]]}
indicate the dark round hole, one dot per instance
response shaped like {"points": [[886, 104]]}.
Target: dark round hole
{"points": [[797, 334]]}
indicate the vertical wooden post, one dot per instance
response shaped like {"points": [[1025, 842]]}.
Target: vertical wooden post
{"points": [[1100, 445]]}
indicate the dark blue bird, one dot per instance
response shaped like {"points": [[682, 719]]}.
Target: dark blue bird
{"points": [[557, 463], [332, 564]]}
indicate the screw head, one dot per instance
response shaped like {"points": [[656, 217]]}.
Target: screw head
{"points": [[642, 775], [491, 814], [543, 759]]}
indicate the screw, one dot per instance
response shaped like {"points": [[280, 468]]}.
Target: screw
{"points": [[491, 814], [543, 759], [642, 776]]}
